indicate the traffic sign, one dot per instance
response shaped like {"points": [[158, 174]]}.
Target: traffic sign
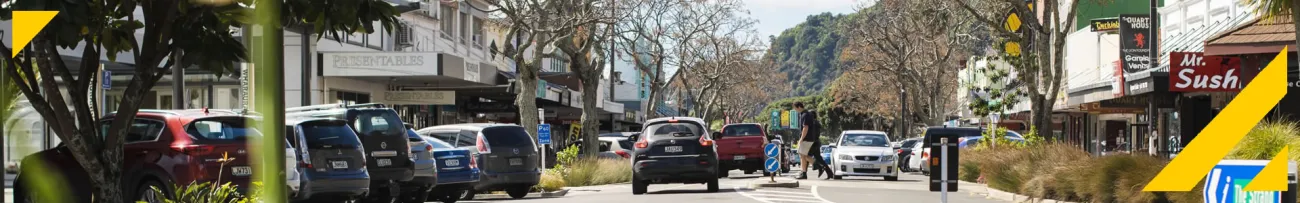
{"points": [[107, 79], [1226, 181], [544, 134], [776, 121], [771, 165], [771, 150]]}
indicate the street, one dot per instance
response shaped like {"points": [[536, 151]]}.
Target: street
{"points": [[908, 188]]}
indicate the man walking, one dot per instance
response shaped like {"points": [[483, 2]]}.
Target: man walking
{"points": [[810, 143]]}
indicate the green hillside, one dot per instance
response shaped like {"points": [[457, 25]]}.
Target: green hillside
{"points": [[807, 53]]}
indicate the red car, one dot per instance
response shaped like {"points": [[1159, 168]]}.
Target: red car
{"points": [[162, 149], [741, 147]]}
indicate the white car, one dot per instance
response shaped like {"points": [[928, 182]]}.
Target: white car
{"points": [[864, 153], [920, 156], [292, 178]]}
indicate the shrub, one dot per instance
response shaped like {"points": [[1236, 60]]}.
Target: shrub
{"points": [[1266, 139], [551, 181], [610, 171], [204, 192], [1064, 172], [590, 171]]}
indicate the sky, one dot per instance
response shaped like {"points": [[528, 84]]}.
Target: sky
{"points": [[775, 16]]}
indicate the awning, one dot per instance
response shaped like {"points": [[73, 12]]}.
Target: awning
{"points": [[1264, 35]]}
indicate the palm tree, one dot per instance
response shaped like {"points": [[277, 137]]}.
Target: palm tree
{"points": [[1277, 8]]}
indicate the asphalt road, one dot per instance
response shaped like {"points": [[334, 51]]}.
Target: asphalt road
{"points": [[909, 188]]}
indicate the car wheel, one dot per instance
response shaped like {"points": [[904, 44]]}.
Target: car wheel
{"points": [[418, 196], [468, 194], [785, 168], [839, 177], [723, 174], [518, 192], [891, 178], [145, 192], [747, 172], [381, 198], [450, 195], [639, 186], [713, 185]]}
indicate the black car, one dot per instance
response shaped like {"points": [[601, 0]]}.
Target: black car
{"points": [[674, 150], [904, 150], [507, 156], [331, 160], [383, 137]]}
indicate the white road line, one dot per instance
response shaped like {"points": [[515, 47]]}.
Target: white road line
{"points": [[782, 196], [793, 200], [779, 192], [738, 191], [771, 196], [817, 194]]}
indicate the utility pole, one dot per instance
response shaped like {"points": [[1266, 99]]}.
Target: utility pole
{"points": [[178, 81]]}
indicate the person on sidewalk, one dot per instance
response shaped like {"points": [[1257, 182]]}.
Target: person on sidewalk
{"points": [[810, 144]]}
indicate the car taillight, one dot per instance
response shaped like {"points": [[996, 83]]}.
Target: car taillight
{"points": [[642, 144], [428, 148], [622, 154], [482, 146], [305, 164], [925, 154], [194, 150], [898, 151]]}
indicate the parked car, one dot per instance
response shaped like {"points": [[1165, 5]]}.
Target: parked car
{"points": [[426, 170], [292, 177], [864, 153], [904, 150], [741, 148], [615, 148], [331, 158], [961, 132], [383, 137], [623, 135], [457, 171], [162, 148], [507, 156], [974, 141], [920, 156], [675, 150], [827, 151]]}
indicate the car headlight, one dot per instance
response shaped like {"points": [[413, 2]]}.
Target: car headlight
{"points": [[887, 158], [846, 157]]}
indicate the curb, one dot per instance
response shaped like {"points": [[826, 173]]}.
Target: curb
{"points": [[1011, 197], [550, 194], [780, 184]]}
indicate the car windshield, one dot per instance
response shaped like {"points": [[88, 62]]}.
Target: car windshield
{"points": [[378, 122], [437, 144], [669, 130], [742, 130], [329, 133], [866, 140], [508, 136], [218, 129], [910, 143]]}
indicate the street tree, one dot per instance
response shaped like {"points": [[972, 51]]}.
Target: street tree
{"points": [[1042, 37], [654, 30], [534, 26], [202, 30], [724, 54], [585, 49], [919, 49]]}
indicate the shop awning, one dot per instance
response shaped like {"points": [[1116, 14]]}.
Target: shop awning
{"points": [[1262, 35]]}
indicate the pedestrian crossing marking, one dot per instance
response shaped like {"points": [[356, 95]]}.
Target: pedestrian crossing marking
{"points": [[778, 196]]}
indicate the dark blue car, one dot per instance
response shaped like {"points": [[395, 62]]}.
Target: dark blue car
{"points": [[332, 160], [457, 171]]}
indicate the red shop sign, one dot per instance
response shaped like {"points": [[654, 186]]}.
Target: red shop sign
{"points": [[1195, 72]]}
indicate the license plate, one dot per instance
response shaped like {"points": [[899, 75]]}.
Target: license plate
{"points": [[516, 162], [740, 157], [673, 149], [452, 162], [384, 162], [339, 164], [241, 171], [866, 166]]}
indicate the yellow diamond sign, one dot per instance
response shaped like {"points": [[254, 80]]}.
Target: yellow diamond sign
{"points": [[1013, 22], [1012, 48]]}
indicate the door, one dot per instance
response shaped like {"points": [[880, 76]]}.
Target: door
{"points": [[1114, 132], [141, 145]]}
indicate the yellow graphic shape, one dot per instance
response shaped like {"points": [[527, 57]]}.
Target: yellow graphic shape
{"points": [[1225, 131], [1273, 176], [25, 26]]}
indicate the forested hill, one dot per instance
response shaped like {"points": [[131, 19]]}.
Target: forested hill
{"points": [[807, 53]]}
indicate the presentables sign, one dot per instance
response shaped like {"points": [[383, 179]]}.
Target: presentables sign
{"points": [[1195, 72]]}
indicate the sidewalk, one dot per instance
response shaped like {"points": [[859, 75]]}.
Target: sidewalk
{"points": [[983, 190]]}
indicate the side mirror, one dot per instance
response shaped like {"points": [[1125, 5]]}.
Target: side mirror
{"points": [[716, 135]]}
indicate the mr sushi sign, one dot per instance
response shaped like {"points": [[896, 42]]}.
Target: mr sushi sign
{"points": [[1195, 72]]}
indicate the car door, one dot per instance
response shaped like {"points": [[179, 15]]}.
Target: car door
{"points": [[142, 144]]}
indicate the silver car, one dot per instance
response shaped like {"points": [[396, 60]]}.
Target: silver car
{"points": [[864, 153]]}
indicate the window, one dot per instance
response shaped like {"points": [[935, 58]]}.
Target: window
{"points": [[454, 138], [328, 133], [910, 143], [868, 140], [378, 123], [742, 130], [439, 144], [464, 28], [510, 136], [667, 130], [221, 129], [351, 97], [447, 21], [140, 131]]}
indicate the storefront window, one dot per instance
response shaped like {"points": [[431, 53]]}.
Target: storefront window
{"points": [[351, 97]]}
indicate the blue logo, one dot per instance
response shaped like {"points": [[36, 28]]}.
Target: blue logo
{"points": [[1227, 181]]}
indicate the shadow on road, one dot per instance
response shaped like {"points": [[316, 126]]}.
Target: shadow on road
{"points": [[689, 191]]}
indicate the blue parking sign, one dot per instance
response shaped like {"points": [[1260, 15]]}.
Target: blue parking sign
{"points": [[770, 150], [1227, 181], [544, 134], [771, 165]]}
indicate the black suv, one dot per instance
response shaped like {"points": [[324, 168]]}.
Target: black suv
{"points": [[674, 150], [383, 137], [331, 160]]}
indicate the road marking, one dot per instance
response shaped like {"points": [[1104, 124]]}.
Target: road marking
{"points": [[818, 194], [773, 196]]}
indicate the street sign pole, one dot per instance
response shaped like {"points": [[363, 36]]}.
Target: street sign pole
{"points": [[943, 196]]}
